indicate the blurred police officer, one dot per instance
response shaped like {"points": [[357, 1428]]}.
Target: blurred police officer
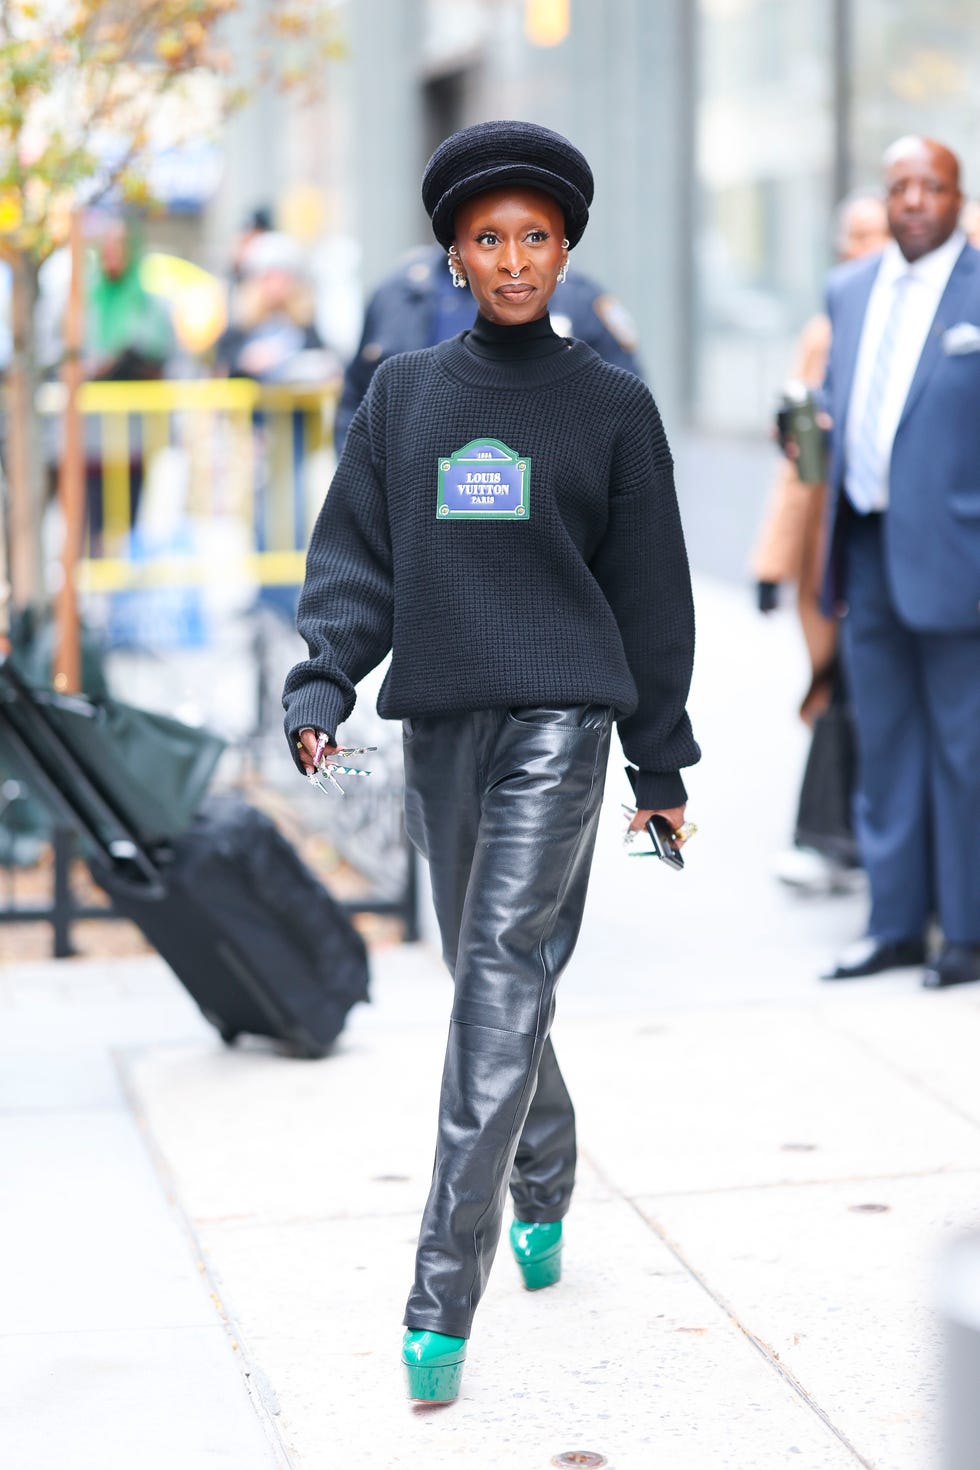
{"points": [[417, 307]]}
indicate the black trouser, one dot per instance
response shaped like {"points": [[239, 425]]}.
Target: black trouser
{"points": [[505, 805]]}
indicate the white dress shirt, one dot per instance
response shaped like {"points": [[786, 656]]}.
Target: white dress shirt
{"points": [[927, 280]]}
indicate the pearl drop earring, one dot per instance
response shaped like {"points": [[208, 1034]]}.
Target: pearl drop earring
{"points": [[454, 262]]}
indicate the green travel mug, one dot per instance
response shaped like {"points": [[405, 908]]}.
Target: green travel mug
{"points": [[797, 419]]}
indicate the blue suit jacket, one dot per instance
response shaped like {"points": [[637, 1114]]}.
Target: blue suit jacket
{"points": [[932, 529]]}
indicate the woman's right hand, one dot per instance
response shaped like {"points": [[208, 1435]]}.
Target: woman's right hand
{"points": [[306, 746]]}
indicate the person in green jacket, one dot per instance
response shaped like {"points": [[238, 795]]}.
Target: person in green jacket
{"points": [[128, 338]]}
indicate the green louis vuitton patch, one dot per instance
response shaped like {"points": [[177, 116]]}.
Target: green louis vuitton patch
{"points": [[484, 481]]}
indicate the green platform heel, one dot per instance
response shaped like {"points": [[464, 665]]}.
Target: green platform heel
{"points": [[537, 1250], [433, 1365]]}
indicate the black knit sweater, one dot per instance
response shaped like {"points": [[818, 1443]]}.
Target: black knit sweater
{"points": [[580, 596]]}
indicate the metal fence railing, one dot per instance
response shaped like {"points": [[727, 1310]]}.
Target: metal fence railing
{"points": [[250, 457], [193, 487]]}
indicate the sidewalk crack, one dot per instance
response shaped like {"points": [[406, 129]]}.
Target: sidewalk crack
{"points": [[260, 1391], [899, 1070], [761, 1346]]}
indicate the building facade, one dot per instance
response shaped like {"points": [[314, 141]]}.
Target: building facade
{"points": [[721, 132]]}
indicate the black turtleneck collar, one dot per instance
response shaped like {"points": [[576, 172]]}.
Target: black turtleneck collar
{"points": [[513, 344]]}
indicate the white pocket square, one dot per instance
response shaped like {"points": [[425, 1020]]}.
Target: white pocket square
{"points": [[961, 339]]}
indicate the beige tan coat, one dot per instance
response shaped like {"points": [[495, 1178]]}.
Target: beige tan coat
{"points": [[791, 543]]}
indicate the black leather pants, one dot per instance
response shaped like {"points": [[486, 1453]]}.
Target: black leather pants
{"points": [[504, 805]]}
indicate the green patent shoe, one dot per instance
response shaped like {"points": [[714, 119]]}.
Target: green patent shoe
{"points": [[537, 1250], [434, 1365]]}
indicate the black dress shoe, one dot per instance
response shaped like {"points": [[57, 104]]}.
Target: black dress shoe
{"points": [[870, 956], [958, 964]]}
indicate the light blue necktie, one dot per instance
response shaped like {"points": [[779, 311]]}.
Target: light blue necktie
{"points": [[866, 470]]}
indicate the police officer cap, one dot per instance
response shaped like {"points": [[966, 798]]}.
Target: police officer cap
{"points": [[492, 154]]}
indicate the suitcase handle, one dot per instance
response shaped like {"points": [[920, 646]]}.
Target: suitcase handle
{"points": [[53, 755]]}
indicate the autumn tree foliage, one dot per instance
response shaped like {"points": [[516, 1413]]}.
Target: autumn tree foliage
{"points": [[85, 86]]}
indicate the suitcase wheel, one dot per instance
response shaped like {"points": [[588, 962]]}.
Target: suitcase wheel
{"points": [[307, 1050], [229, 1034]]}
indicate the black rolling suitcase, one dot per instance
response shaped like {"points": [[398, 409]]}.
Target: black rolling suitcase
{"points": [[244, 924]]}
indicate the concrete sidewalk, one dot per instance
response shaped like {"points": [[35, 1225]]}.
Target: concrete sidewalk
{"points": [[206, 1251]]}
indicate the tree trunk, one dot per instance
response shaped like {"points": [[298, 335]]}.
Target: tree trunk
{"points": [[24, 467], [4, 577]]}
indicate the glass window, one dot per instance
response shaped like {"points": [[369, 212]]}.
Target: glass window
{"points": [[917, 70], [764, 151]]}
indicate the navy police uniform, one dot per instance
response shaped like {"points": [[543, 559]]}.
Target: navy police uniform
{"points": [[418, 306]]}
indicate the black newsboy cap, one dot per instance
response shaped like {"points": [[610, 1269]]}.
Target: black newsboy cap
{"points": [[492, 154]]}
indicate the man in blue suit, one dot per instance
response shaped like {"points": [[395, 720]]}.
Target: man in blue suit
{"points": [[903, 393]]}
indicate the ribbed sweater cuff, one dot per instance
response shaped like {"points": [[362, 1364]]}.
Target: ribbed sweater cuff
{"points": [[318, 706], [658, 790]]}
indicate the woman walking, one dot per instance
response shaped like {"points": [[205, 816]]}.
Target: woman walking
{"points": [[503, 521]]}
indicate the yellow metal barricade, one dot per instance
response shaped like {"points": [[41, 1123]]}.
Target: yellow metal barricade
{"points": [[253, 458]]}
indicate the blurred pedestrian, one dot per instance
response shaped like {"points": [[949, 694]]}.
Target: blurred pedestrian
{"points": [[128, 337], [272, 337], [970, 221], [791, 546], [499, 507], [128, 332], [417, 306], [904, 565], [259, 221]]}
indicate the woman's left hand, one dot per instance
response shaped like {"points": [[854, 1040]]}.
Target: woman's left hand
{"points": [[675, 816]]}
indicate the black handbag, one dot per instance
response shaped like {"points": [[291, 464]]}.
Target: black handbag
{"points": [[824, 820]]}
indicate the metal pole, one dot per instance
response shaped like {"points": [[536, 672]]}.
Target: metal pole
{"points": [[71, 479], [689, 56], [959, 1306], [23, 501], [5, 595], [843, 97], [61, 840]]}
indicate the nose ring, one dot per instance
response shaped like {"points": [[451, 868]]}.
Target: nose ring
{"points": [[515, 274]]}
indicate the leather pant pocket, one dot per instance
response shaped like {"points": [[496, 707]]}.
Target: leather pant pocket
{"points": [[561, 717]]}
